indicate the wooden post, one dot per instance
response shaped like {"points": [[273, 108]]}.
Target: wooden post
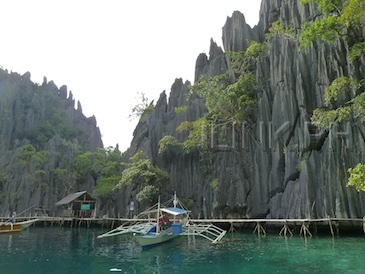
{"points": [[331, 228], [260, 230], [231, 229], [337, 226], [304, 229], [285, 230]]}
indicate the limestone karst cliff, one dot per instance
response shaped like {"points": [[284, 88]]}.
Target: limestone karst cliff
{"points": [[275, 164], [40, 132], [282, 167]]}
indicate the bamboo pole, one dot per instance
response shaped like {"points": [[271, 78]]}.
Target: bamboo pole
{"points": [[260, 230], [231, 228], [305, 230], [285, 230], [331, 228]]}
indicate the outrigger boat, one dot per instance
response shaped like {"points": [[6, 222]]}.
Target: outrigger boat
{"points": [[169, 223], [9, 227]]}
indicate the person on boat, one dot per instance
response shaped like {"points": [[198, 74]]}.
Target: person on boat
{"points": [[13, 217], [165, 221]]}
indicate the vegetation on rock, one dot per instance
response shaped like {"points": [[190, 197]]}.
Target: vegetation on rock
{"points": [[143, 109], [344, 99], [141, 173]]}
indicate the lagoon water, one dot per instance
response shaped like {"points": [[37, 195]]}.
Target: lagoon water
{"points": [[77, 250]]}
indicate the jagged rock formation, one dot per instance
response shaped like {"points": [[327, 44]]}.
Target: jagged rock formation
{"points": [[283, 167], [40, 132]]}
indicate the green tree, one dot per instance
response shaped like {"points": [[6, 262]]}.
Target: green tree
{"points": [[107, 170], [338, 19], [82, 163], [357, 177], [106, 186], [170, 147], [228, 102], [143, 109], [229, 99], [65, 180], [241, 62], [148, 193], [340, 103], [278, 30], [198, 134], [344, 99], [142, 173]]}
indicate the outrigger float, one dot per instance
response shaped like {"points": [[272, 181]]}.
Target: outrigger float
{"points": [[169, 222]]}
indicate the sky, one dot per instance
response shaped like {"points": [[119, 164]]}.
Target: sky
{"points": [[108, 51]]}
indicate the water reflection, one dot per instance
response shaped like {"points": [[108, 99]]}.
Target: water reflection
{"points": [[10, 242], [58, 250]]}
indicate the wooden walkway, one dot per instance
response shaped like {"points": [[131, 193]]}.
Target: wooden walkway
{"points": [[259, 225], [286, 224]]}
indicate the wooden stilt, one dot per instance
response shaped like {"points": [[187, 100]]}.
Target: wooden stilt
{"points": [[260, 230], [285, 230], [331, 228], [232, 229], [337, 226], [305, 230]]}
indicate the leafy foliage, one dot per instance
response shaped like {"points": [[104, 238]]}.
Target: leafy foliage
{"points": [[325, 6], [357, 177], [28, 155], [143, 109], [356, 50], [238, 62], [170, 145], [336, 113], [338, 18], [256, 50], [340, 85], [148, 193], [343, 99], [328, 29], [179, 110], [82, 163], [106, 186], [325, 119], [106, 167], [278, 30], [141, 172], [214, 184], [242, 62], [198, 134], [228, 102]]}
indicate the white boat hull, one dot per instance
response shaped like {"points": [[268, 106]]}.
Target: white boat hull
{"points": [[155, 238]]}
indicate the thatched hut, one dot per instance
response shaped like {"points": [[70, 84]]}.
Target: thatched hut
{"points": [[77, 205]]}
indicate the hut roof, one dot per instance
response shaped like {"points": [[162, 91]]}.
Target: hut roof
{"points": [[68, 199]]}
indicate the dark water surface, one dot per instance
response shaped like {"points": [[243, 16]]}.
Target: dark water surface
{"points": [[77, 250]]}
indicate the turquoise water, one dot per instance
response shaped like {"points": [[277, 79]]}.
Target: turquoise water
{"points": [[77, 250]]}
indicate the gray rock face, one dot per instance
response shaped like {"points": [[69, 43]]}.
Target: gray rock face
{"points": [[283, 167], [25, 108], [215, 65], [237, 34]]}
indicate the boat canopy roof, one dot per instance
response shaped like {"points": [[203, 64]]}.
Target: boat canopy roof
{"points": [[174, 211]]}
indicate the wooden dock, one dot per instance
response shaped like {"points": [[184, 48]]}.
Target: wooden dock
{"points": [[260, 226]]}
